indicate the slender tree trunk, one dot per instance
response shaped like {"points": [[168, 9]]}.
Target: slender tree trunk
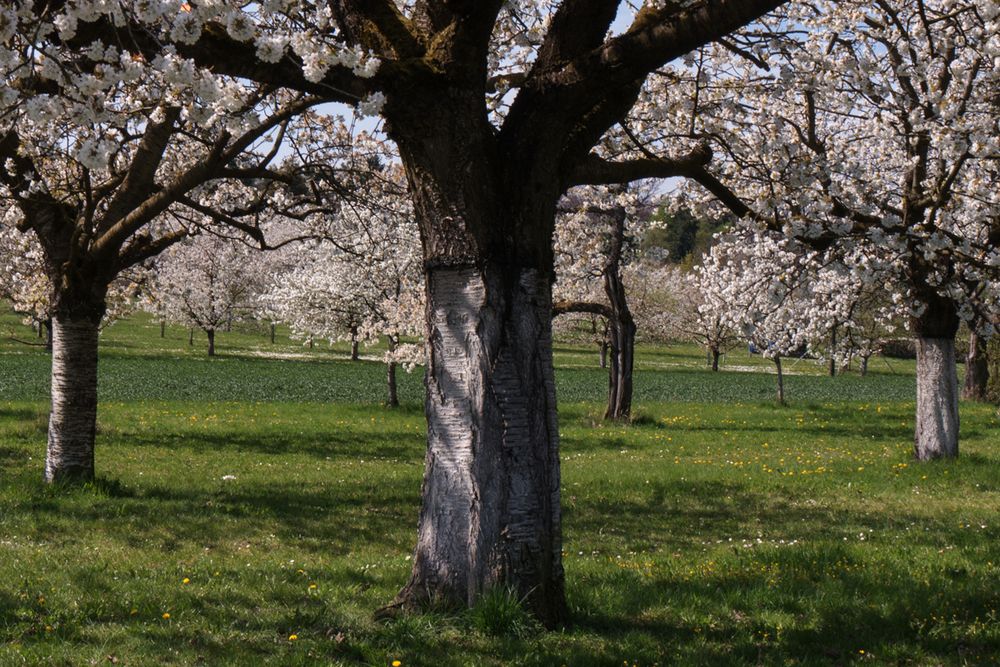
{"points": [[977, 368], [621, 326], [936, 432], [833, 352], [864, 365], [38, 329], [490, 514], [781, 381], [272, 332], [47, 324], [391, 376], [191, 336], [715, 358], [211, 341], [73, 421], [354, 344], [605, 346], [312, 343], [163, 328]]}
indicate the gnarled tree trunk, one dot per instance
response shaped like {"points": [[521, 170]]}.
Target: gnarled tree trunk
{"points": [[490, 514], [73, 420], [936, 433], [621, 326], [977, 369]]}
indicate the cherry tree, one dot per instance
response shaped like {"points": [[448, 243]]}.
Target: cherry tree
{"points": [[596, 238], [207, 282], [495, 107], [867, 124], [362, 282], [754, 284], [107, 158]]}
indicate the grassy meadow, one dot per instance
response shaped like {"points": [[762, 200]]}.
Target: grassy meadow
{"points": [[256, 508]]}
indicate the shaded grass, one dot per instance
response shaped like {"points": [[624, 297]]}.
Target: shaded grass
{"points": [[706, 534]]}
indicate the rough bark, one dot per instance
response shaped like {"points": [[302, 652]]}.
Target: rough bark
{"points": [[48, 334], [272, 332], [490, 514], [715, 358], [936, 432], [73, 421], [864, 365], [163, 329], [211, 341], [937, 399], [977, 369], [781, 381]]}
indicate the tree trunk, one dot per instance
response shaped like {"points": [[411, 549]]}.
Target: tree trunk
{"points": [[937, 399], [163, 329], [490, 515], [864, 365], [391, 377], [936, 432], [977, 369], [621, 325], [272, 333], [354, 344], [48, 334], [781, 381], [211, 341], [191, 336], [715, 358], [73, 421], [833, 352], [604, 353]]}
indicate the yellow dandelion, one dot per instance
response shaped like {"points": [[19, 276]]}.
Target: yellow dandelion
{"points": [[166, 616], [312, 586], [397, 663], [186, 581], [292, 638]]}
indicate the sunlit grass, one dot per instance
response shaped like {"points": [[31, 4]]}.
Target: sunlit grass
{"points": [[224, 529]]}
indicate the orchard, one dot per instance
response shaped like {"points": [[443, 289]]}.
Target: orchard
{"points": [[660, 322]]}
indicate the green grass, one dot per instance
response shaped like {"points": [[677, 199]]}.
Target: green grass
{"points": [[720, 530]]}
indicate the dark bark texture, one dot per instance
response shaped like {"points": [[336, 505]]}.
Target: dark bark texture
{"points": [[977, 370]]}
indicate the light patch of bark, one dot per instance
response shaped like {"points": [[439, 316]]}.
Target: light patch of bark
{"points": [[73, 421], [936, 434], [491, 486]]}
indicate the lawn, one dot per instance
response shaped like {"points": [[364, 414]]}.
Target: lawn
{"points": [[256, 510]]}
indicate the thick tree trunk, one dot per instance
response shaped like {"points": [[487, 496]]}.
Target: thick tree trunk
{"points": [[211, 341], [490, 515], [937, 399], [977, 369], [715, 358], [936, 432], [73, 421], [781, 381]]}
